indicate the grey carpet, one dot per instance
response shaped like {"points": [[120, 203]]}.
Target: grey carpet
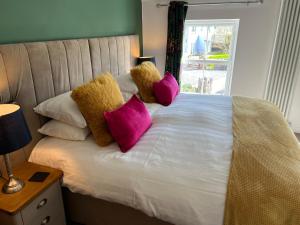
{"points": [[298, 136]]}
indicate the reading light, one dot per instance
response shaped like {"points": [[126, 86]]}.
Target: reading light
{"points": [[142, 59], [14, 134]]}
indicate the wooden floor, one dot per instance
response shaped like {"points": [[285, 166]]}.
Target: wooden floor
{"points": [[298, 136]]}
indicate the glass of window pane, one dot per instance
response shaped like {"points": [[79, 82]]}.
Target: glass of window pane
{"points": [[208, 50]]}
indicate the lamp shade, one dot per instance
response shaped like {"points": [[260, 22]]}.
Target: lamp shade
{"points": [[14, 132], [142, 59]]}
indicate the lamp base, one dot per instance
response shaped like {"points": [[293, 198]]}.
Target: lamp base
{"points": [[13, 185]]}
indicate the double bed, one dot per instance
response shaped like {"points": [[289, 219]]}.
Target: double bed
{"points": [[182, 171], [177, 172]]}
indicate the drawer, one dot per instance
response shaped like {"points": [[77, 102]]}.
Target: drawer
{"points": [[47, 205], [50, 220]]}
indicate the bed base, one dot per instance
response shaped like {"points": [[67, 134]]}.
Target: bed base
{"points": [[86, 210]]}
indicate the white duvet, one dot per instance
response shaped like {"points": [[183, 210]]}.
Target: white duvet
{"points": [[177, 172]]}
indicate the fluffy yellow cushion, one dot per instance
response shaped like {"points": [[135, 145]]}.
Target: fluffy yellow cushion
{"points": [[144, 76], [93, 99]]}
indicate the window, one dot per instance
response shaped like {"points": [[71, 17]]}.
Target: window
{"points": [[208, 56]]}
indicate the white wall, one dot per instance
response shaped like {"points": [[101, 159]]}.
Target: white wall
{"points": [[255, 39]]}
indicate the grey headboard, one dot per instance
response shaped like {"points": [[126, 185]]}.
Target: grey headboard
{"points": [[33, 72]]}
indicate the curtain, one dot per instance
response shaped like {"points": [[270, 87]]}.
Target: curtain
{"points": [[176, 17]]}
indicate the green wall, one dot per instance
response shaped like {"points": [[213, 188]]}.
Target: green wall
{"points": [[38, 20]]}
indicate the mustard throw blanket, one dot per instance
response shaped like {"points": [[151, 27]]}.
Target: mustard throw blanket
{"points": [[264, 181]]}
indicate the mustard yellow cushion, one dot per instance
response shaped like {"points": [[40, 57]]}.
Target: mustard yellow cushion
{"points": [[144, 76], [93, 99]]}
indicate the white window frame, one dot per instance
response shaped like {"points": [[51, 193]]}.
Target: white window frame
{"points": [[230, 62]]}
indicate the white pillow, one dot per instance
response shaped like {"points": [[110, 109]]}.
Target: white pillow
{"points": [[62, 108], [62, 130], [126, 84], [126, 96]]}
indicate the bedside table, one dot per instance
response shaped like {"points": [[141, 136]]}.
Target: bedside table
{"points": [[38, 203]]}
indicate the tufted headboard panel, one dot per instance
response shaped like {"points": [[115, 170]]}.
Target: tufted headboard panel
{"points": [[33, 72]]}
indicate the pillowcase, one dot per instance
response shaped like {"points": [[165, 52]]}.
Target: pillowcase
{"points": [[128, 123], [126, 84], [55, 128], [144, 76], [166, 90], [62, 108], [127, 96], [93, 99]]}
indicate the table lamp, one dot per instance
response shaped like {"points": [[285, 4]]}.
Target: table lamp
{"points": [[14, 134], [142, 59]]}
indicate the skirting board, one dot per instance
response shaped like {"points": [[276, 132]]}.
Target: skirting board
{"points": [[294, 126], [296, 129]]}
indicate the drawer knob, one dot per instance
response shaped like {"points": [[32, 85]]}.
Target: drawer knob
{"points": [[46, 220], [42, 203]]}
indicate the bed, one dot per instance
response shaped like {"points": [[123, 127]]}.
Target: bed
{"points": [[186, 169], [157, 176]]}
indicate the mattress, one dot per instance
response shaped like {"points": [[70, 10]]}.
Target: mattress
{"points": [[177, 172]]}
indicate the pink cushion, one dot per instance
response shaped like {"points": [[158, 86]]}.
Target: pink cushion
{"points": [[128, 123], [166, 90]]}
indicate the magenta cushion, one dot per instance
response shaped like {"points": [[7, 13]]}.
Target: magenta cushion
{"points": [[128, 123], [166, 90]]}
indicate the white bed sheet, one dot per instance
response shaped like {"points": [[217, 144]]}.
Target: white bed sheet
{"points": [[177, 172]]}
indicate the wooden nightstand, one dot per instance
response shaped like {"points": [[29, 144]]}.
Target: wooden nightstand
{"points": [[38, 203]]}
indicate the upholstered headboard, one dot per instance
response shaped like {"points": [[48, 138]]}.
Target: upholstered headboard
{"points": [[33, 72]]}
